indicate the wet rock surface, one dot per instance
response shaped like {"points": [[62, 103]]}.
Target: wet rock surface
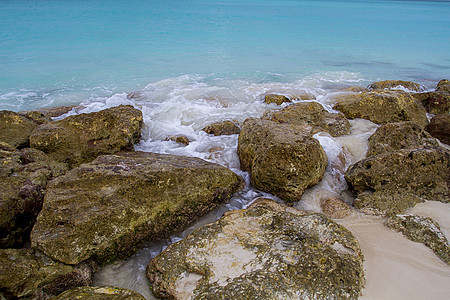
{"points": [[23, 179], [25, 273], [80, 138], [108, 207], [422, 230], [222, 128], [395, 84], [15, 129], [439, 127], [312, 116], [394, 181], [56, 111], [396, 136], [100, 293], [261, 253], [382, 107], [282, 159], [274, 98]]}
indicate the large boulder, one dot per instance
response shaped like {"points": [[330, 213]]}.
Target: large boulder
{"points": [[394, 181], [15, 129], [396, 136], [263, 252], [382, 107], [100, 293], [25, 273], [282, 159], [314, 117], [108, 207], [81, 138], [439, 127], [395, 84], [222, 128], [23, 178], [422, 230]]}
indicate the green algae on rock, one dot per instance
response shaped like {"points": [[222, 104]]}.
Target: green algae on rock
{"points": [[394, 181], [382, 107], [23, 178], [262, 252], [81, 138], [222, 128], [282, 159], [15, 129], [422, 230], [25, 273], [396, 136], [99, 293], [109, 207], [395, 84], [313, 116]]}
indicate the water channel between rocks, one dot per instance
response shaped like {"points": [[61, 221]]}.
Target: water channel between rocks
{"points": [[395, 267]]}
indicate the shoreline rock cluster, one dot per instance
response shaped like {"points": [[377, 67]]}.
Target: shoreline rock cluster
{"points": [[75, 195]]}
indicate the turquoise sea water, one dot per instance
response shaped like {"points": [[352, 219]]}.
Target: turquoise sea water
{"points": [[56, 52]]}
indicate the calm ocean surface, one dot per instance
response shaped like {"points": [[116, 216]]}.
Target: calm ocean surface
{"points": [[72, 51]]}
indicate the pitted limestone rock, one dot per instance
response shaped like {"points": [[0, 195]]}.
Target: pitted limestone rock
{"points": [[395, 84], [396, 136], [262, 252], [15, 129], [109, 207], [422, 230], [313, 116], [382, 107], [282, 159], [394, 181], [81, 138], [23, 179], [29, 274]]}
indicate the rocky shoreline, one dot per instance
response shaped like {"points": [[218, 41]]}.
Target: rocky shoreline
{"points": [[75, 195]]}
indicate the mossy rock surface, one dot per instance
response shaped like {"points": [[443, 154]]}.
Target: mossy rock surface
{"points": [[274, 98], [15, 129], [23, 178], [439, 127], [222, 128], [422, 230], [25, 273], [395, 84], [262, 252], [282, 159], [396, 136], [106, 209], [313, 117], [81, 138], [99, 293], [382, 107], [394, 181]]}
